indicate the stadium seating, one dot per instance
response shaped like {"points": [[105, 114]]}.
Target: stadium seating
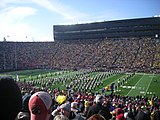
{"points": [[141, 54]]}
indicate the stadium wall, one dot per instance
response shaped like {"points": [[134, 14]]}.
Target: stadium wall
{"points": [[141, 27]]}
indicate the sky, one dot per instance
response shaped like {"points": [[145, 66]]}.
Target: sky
{"points": [[33, 20]]}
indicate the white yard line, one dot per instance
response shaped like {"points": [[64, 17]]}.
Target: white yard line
{"points": [[149, 84], [136, 84], [116, 80]]}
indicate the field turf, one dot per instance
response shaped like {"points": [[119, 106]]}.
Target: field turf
{"points": [[129, 84]]}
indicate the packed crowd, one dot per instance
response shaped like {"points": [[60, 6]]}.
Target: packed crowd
{"points": [[139, 54], [44, 104]]}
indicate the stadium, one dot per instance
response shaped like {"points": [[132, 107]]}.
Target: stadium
{"points": [[118, 59], [96, 55], [80, 60]]}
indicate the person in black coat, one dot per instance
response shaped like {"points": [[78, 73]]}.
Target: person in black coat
{"points": [[98, 108], [141, 115], [10, 97]]}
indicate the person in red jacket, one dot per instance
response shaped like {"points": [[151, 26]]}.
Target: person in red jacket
{"points": [[119, 114]]}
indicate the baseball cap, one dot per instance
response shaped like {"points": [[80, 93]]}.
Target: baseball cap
{"points": [[98, 98], [74, 104], [25, 100], [66, 106], [39, 105]]}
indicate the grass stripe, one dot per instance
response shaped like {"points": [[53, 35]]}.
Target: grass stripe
{"points": [[135, 85], [149, 84]]}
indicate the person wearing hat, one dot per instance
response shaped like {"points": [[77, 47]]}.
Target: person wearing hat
{"points": [[10, 97], [64, 109], [24, 114], [40, 106], [74, 107], [60, 117], [98, 108]]}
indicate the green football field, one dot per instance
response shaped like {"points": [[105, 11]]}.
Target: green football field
{"points": [[131, 84], [141, 84]]}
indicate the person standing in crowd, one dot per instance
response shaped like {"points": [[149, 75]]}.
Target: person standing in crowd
{"points": [[64, 109], [74, 107], [40, 106], [24, 114], [119, 114], [156, 112], [141, 115], [10, 97], [96, 117], [98, 108], [60, 117]]}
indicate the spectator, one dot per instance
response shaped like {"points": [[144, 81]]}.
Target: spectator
{"points": [[11, 98], [130, 116], [64, 109], [156, 113], [141, 115], [60, 117], [74, 107], [96, 117], [99, 109], [119, 114], [24, 114], [40, 106]]}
